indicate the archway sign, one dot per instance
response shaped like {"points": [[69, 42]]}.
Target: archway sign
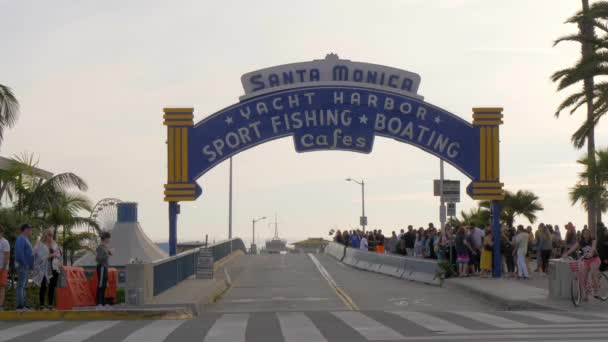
{"points": [[332, 104]]}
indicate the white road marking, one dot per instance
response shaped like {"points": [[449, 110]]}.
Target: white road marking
{"points": [[82, 332], [578, 336], [551, 329], [597, 314], [348, 302], [228, 328], [156, 331], [296, 327], [549, 317], [429, 322], [493, 320], [22, 329], [369, 328]]}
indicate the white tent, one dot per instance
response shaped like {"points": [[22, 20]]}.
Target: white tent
{"points": [[129, 242]]}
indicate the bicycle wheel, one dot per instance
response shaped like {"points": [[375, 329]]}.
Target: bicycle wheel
{"points": [[576, 292], [602, 292]]}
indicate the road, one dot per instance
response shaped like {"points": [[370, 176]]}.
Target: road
{"points": [[303, 298]]}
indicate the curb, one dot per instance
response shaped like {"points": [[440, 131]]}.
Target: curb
{"points": [[83, 315], [506, 304]]}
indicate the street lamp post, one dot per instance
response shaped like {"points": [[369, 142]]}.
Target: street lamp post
{"points": [[253, 246], [363, 217]]}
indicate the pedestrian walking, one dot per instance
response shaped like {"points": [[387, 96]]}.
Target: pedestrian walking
{"points": [[545, 245], [47, 263], [463, 248], [410, 240], [392, 244], [521, 248], [24, 260], [363, 244], [5, 256], [102, 257], [507, 250]]}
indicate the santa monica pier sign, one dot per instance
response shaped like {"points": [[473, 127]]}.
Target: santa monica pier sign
{"points": [[330, 104]]}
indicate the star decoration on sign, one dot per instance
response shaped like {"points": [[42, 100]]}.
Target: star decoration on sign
{"points": [[437, 120], [229, 120], [363, 119]]}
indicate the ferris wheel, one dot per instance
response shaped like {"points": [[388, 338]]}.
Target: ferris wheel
{"points": [[105, 213]]}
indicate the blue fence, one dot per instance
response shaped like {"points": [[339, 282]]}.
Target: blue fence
{"points": [[171, 271]]}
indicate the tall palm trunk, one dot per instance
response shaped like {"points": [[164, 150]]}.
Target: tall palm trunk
{"points": [[587, 51]]}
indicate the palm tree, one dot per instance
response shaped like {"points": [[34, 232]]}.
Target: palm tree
{"points": [[478, 217], [594, 56], [9, 109], [75, 243], [523, 202], [598, 170]]}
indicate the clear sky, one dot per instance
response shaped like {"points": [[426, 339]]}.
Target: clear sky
{"points": [[93, 76]]}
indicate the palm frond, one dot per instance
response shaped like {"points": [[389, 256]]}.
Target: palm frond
{"points": [[9, 109]]}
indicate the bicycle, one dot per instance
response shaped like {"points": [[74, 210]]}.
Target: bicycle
{"points": [[579, 285]]}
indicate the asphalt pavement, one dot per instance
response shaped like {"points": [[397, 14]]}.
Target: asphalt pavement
{"points": [[304, 298], [326, 326]]}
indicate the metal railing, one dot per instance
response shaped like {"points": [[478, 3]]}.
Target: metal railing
{"points": [[173, 270]]}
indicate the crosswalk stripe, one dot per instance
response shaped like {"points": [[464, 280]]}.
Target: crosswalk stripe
{"points": [[493, 320], [577, 336], [369, 328], [82, 332], [228, 328], [597, 314], [549, 317], [22, 329], [156, 331], [296, 327], [429, 322]]}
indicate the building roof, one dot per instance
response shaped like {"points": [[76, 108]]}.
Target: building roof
{"points": [[129, 242], [5, 164], [311, 241]]}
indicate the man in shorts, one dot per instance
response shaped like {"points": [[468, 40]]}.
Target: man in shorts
{"points": [[5, 250]]}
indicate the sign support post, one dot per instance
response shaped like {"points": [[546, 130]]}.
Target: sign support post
{"points": [[230, 206], [489, 187], [179, 186], [496, 236], [442, 218], [173, 209]]}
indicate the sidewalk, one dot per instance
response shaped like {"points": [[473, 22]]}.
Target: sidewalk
{"points": [[513, 294], [183, 301]]}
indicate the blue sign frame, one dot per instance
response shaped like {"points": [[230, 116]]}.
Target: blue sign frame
{"points": [[328, 117]]}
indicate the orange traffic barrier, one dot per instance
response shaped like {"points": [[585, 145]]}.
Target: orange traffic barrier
{"points": [[111, 289], [76, 292]]}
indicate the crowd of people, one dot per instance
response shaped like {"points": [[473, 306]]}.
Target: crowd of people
{"points": [[471, 248], [42, 264]]}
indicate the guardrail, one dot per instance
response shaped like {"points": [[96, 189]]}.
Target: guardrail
{"points": [[171, 271], [415, 269], [150, 279]]}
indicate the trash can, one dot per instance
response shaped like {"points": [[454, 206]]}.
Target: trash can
{"points": [[560, 278], [135, 296]]}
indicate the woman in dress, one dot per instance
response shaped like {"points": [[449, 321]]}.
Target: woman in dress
{"points": [[486, 254]]}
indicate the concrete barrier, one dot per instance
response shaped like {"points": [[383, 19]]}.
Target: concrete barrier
{"points": [[336, 250], [414, 269]]}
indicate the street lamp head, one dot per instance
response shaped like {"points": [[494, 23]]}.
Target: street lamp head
{"points": [[348, 179], [263, 218]]}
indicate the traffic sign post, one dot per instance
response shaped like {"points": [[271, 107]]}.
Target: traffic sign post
{"points": [[363, 221], [451, 209], [451, 190]]}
